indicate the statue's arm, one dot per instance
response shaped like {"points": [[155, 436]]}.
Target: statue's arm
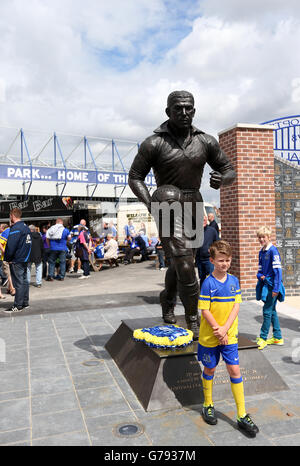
{"points": [[223, 172], [139, 188], [139, 170]]}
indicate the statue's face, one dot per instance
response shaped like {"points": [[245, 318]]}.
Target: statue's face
{"points": [[181, 112]]}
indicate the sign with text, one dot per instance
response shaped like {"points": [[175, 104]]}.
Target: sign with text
{"points": [[31, 207], [61, 175]]}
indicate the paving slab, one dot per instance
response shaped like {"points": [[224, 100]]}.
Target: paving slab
{"points": [[48, 396], [45, 425]]}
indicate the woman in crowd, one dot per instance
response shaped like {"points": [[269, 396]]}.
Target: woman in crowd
{"points": [[83, 251]]}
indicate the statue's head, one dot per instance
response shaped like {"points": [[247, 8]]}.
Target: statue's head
{"points": [[180, 108]]}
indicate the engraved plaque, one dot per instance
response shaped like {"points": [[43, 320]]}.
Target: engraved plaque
{"points": [[288, 206], [292, 243], [287, 179], [294, 195], [287, 220], [277, 169], [277, 180], [289, 256], [288, 233]]}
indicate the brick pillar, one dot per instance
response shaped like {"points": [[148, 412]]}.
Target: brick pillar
{"points": [[250, 201]]}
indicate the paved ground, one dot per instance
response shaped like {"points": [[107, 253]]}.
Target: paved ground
{"points": [[48, 396]]}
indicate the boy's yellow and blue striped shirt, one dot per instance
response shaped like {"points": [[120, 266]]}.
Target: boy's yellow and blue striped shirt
{"points": [[219, 298], [3, 240]]}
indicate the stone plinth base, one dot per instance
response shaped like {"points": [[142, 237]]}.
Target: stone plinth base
{"points": [[163, 379]]}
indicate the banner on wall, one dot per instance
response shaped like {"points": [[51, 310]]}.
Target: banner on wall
{"points": [[35, 207], [61, 175]]}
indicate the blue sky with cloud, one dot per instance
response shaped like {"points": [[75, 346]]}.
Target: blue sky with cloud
{"points": [[105, 68], [172, 22]]}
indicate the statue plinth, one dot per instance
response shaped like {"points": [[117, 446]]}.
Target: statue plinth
{"points": [[166, 379]]}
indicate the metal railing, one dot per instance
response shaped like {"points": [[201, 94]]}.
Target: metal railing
{"points": [[33, 149], [287, 137]]}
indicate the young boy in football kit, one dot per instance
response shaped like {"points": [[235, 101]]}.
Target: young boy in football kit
{"points": [[219, 301], [269, 276]]}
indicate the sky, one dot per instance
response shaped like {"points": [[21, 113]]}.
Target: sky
{"points": [[105, 69]]}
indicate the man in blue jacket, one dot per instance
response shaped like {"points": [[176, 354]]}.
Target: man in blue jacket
{"points": [[205, 267], [57, 237], [17, 253]]}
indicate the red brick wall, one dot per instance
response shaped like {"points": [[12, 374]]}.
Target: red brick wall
{"points": [[249, 202]]}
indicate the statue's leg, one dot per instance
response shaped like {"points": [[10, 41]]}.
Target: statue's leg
{"points": [[179, 212], [168, 295], [188, 289]]}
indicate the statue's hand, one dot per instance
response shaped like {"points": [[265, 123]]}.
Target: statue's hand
{"points": [[215, 179]]}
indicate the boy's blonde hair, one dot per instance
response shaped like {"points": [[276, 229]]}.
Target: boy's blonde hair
{"points": [[263, 231], [220, 246]]}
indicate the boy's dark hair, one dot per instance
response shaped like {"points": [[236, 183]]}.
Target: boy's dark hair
{"points": [[222, 247]]}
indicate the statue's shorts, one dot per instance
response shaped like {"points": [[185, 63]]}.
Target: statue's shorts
{"points": [[180, 222]]}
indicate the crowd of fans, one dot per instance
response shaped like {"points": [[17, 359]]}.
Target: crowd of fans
{"points": [[55, 250]]}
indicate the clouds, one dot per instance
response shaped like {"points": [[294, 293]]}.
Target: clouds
{"points": [[111, 62], [63, 60], [105, 68], [266, 12], [245, 72]]}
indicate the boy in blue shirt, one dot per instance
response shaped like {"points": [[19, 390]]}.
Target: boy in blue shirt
{"points": [[219, 301], [270, 273], [99, 249]]}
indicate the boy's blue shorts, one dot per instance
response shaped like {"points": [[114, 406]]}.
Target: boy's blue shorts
{"points": [[210, 356]]}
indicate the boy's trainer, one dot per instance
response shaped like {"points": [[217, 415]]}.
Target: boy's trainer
{"points": [[261, 343], [275, 341], [248, 425], [209, 415]]}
